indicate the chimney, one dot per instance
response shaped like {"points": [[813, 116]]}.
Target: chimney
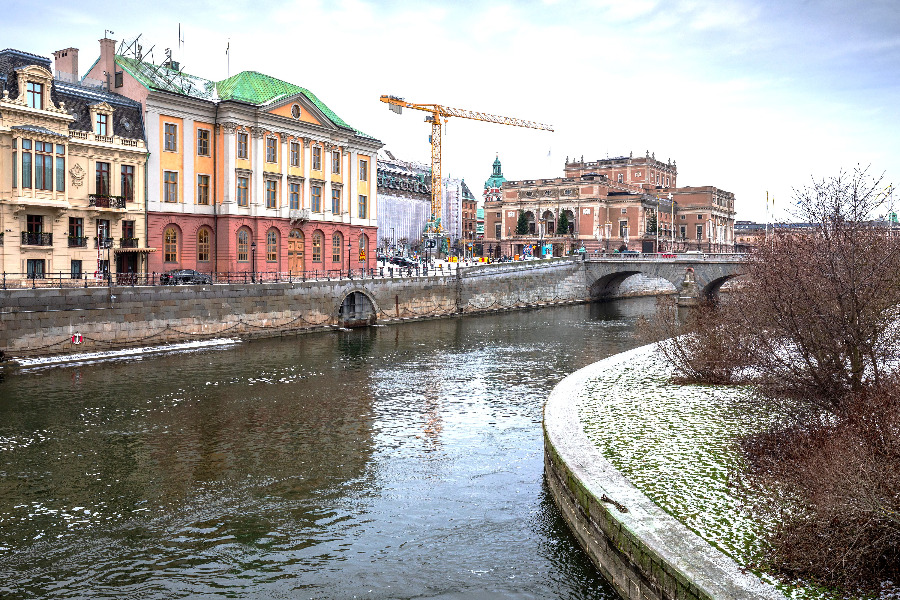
{"points": [[108, 61], [66, 64]]}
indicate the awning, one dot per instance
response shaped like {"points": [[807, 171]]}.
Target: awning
{"points": [[117, 250]]}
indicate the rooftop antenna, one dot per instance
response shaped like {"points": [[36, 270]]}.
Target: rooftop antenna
{"points": [[228, 59], [106, 31]]}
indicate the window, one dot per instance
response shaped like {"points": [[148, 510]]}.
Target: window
{"points": [[317, 247], [243, 195], [170, 245], [336, 201], [271, 194], [363, 245], [43, 166], [624, 211], [34, 223], [203, 142], [336, 247], [103, 231], [243, 245], [623, 228], [683, 217], [336, 162], [35, 268], [129, 239], [202, 189], [15, 169], [497, 227], [315, 193], [242, 144], [295, 111], [26, 164], [76, 232], [102, 124], [295, 154], [128, 183], [76, 269], [170, 137], [683, 231], [363, 170], [271, 150], [102, 178], [60, 168], [620, 178], [316, 158], [272, 245], [170, 185], [699, 217], [363, 207], [667, 182], [34, 95], [294, 196], [203, 245], [699, 232]]}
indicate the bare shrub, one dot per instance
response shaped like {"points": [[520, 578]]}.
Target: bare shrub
{"points": [[832, 489], [700, 347]]}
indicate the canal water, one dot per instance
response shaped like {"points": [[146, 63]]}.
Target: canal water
{"points": [[402, 461]]}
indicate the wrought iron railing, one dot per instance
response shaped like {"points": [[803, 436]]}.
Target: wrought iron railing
{"points": [[30, 238], [106, 201], [129, 243], [76, 241], [103, 242]]}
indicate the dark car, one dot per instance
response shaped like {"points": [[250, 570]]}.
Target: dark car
{"points": [[401, 261], [183, 277]]}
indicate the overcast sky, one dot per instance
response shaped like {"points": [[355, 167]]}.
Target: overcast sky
{"points": [[747, 96]]}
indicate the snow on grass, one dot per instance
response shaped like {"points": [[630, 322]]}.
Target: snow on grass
{"points": [[102, 355], [677, 444]]}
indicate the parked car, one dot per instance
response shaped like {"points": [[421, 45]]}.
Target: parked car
{"points": [[183, 277], [401, 261]]}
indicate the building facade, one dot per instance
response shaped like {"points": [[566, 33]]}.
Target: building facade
{"points": [[605, 206], [72, 175], [251, 174], [404, 192]]}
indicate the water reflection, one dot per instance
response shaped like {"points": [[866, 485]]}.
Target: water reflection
{"points": [[391, 462]]}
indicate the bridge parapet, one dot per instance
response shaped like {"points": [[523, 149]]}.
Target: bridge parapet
{"points": [[687, 257]]}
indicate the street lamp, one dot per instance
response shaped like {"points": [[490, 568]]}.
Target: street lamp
{"points": [[253, 262]]}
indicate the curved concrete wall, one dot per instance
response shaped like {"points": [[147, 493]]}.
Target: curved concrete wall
{"points": [[642, 550]]}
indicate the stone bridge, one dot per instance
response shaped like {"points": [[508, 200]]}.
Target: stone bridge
{"points": [[694, 276]]}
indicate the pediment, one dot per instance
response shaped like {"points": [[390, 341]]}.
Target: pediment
{"points": [[102, 107], [34, 71], [309, 112]]}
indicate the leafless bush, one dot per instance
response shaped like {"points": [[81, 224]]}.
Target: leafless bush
{"points": [[832, 489], [700, 348]]}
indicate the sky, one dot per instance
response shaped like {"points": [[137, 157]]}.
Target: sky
{"points": [[753, 97]]}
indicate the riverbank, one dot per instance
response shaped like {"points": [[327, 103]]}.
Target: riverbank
{"points": [[642, 549]]}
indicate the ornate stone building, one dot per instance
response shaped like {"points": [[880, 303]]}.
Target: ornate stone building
{"points": [[404, 192], [72, 169], [606, 205], [250, 174]]}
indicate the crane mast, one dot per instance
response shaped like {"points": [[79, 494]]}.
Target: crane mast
{"points": [[439, 115]]}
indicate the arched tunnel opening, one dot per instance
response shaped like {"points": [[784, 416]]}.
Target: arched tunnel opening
{"points": [[356, 310]]}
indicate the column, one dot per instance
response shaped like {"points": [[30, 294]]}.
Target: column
{"points": [[351, 182], [189, 151], [305, 149], [257, 186], [283, 206], [326, 174], [228, 182]]}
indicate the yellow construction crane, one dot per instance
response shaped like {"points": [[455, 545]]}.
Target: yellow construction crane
{"points": [[439, 115]]}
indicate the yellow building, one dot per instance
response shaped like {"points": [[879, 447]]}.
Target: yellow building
{"points": [[72, 168]]}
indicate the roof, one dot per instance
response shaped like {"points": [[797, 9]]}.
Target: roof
{"points": [[251, 87], [128, 117], [35, 129]]}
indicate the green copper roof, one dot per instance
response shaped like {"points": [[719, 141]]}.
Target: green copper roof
{"points": [[257, 88], [496, 179], [246, 86]]}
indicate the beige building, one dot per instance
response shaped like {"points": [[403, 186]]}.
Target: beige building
{"points": [[72, 168]]}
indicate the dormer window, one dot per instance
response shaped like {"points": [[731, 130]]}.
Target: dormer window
{"points": [[102, 124], [34, 95]]}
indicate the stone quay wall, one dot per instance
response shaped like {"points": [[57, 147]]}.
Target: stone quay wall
{"points": [[35, 322], [643, 551]]}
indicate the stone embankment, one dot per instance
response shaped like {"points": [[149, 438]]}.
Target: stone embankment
{"points": [[36, 322], [642, 550]]}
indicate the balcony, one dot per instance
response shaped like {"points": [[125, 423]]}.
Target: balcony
{"points": [[77, 241], [103, 242], [106, 201], [30, 238], [129, 243], [301, 214]]}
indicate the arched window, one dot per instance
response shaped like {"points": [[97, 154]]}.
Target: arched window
{"points": [[272, 245], [317, 247], [243, 245], [336, 243], [203, 245], [170, 245], [363, 245]]}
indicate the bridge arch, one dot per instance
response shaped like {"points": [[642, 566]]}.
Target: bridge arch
{"points": [[711, 290], [357, 308], [608, 285]]}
